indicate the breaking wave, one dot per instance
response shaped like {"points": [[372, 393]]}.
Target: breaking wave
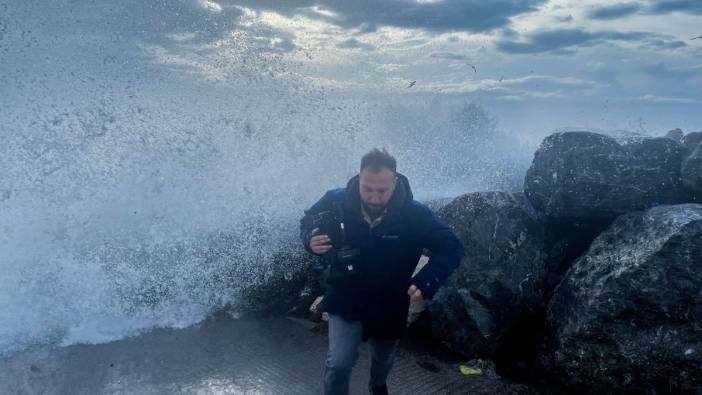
{"points": [[153, 165]]}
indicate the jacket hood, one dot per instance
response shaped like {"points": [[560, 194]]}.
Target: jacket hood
{"points": [[400, 197]]}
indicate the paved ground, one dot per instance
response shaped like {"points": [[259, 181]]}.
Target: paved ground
{"points": [[221, 356]]}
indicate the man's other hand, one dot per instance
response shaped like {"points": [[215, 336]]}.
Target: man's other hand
{"points": [[414, 293], [319, 244]]}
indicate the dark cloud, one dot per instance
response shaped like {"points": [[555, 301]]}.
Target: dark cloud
{"points": [[664, 44], [508, 33], [173, 24], [564, 51], [667, 6], [129, 18], [615, 11], [564, 41], [367, 15]]}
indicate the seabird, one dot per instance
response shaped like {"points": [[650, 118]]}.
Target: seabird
{"points": [[412, 84], [474, 69], [695, 38]]}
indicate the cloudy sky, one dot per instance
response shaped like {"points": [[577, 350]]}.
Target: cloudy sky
{"points": [[605, 64], [535, 64]]}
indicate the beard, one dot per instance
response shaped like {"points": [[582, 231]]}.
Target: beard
{"points": [[373, 209]]}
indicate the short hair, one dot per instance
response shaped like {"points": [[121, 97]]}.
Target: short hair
{"points": [[377, 160]]}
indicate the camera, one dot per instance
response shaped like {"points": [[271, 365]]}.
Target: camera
{"points": [[341, 262]]}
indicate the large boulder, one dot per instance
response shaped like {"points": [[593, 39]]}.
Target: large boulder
{"points": [[675, 135], [691, 171], [500, 288], [585, 178], [627, 317], [462, 322], [691, 141]]}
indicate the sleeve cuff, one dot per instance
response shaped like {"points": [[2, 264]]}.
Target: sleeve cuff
{"points": [[428, 286]]}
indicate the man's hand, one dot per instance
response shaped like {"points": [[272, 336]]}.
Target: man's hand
{"points": [[414, 293], [319, 244]]}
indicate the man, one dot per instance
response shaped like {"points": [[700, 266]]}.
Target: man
{"points": [[390, 230]]}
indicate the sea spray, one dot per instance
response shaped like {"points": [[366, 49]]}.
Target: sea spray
{"points": [[156, 156]]}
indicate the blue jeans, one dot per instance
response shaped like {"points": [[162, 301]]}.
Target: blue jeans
{"points": [[344, 340]]}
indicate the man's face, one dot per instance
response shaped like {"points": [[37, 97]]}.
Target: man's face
{"points": [[376, 189]]}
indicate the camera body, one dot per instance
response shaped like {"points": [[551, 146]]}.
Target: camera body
{"points": [[342, 261], [327, 223]]}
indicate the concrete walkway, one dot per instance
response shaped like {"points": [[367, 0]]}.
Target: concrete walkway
{"points": [[220, 356]]}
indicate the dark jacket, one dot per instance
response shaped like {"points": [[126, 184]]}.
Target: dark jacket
{"points": [[389, 254]]}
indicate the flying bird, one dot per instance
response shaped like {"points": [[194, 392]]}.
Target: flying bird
{"points": [[474, 69], [695, 38], [412, 84], [501, 77]]}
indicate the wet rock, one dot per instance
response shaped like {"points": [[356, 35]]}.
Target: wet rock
{"points": [[588, 179], [691, 141], [691, 172], [290, 286], [462, 322], [506, 246], [501, 281], [627, 318], [675, 135], [437, 204]]}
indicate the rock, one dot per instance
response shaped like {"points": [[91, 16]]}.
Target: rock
{"points": [[290, 286], [627, 317], [588, 179], [501, 282], [506, 246], [675, 135], [691, 171], [437, 204], [691, 141], [463, 323]]}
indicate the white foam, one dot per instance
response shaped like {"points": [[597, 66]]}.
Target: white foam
{"points": [[151, 166]]}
